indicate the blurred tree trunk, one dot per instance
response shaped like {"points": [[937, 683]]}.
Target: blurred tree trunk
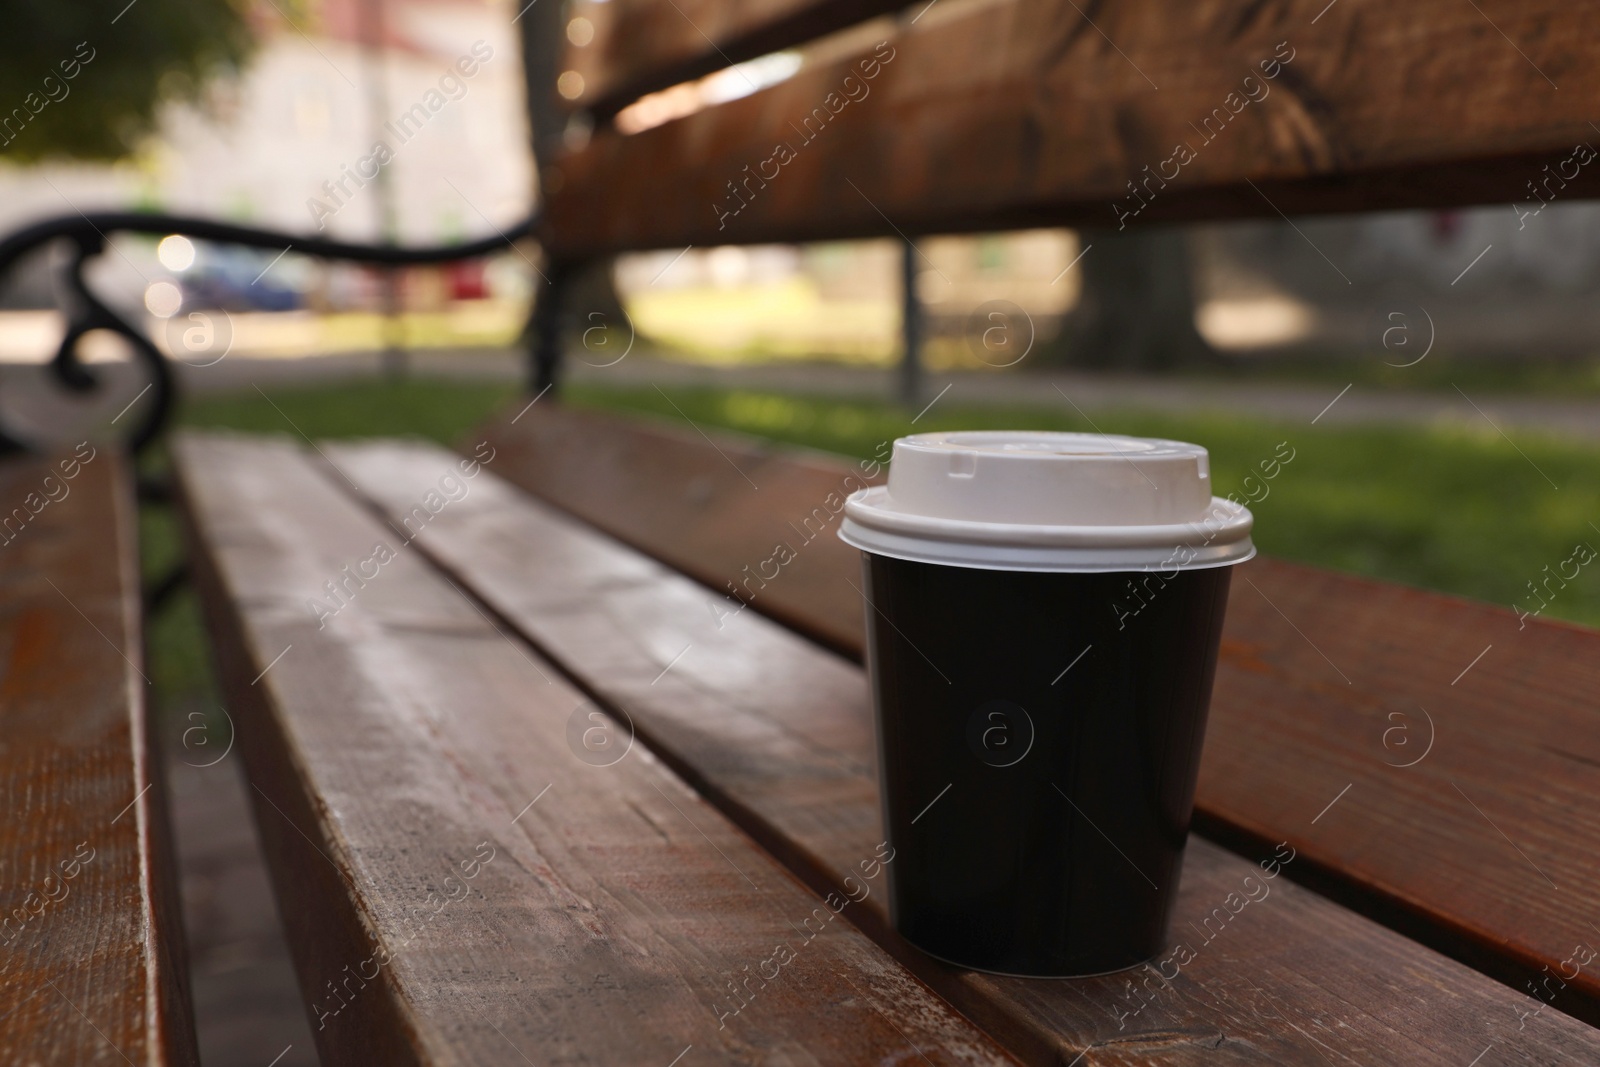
{"points": [[543, 30], [543, 33], [1137, 307]]}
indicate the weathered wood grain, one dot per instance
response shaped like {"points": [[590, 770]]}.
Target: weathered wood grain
{"points": [[1331, 681], [642, 46], [92, 966], [406, 733], [778, 731], [1045, 112], [714, 515], [1518, 735]]}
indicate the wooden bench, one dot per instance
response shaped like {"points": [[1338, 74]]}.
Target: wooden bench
{"points": [[444, 704], [92, 963], [1328, 686]]}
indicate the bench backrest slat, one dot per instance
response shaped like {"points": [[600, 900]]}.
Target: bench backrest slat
{"points": [[1022, 112]]}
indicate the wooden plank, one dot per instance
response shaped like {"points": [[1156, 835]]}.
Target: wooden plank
{"points": [[404, 735], [643, 46], [1022, 113], [715, 515], [92, 964], [779, 732], [1479, 848], [1421, 848]]}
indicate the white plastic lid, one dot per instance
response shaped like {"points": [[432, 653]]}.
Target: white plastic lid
{"points": [[1040, 501]]}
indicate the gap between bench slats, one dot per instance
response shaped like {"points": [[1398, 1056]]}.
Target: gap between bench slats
{"points": [[778, 731], [92, 962], [457, 884], [1516, 738]]}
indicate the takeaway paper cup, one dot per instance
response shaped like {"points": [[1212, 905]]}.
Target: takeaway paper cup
{"points": [[1043, 617]]}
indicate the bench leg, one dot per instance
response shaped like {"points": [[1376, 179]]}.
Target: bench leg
{"points": [[549, 315], [910, 325]]}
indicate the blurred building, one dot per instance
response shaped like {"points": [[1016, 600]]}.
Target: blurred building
{"points": [[292, 131], [306, 108]]}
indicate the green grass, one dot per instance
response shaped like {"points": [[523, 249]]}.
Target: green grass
{"points": [[439, 410], [1440, 506]]}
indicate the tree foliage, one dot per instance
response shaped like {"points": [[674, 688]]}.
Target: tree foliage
{"points": [[86, 79]]}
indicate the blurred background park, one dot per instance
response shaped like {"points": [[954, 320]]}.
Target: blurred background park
{"points": [[1437, 374], [263, 113]]}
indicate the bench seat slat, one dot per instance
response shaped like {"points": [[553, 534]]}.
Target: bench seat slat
{"points": [[1516, 734], [778, 732], [92, 965], [406, 734]]}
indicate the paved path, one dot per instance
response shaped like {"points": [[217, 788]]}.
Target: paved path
{"points": [[247, 1004]]}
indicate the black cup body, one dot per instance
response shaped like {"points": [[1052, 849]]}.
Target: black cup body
{"points": [[1039, 735]]}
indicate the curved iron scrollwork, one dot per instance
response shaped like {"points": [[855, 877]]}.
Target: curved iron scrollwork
{"points": [[88, 235]]}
